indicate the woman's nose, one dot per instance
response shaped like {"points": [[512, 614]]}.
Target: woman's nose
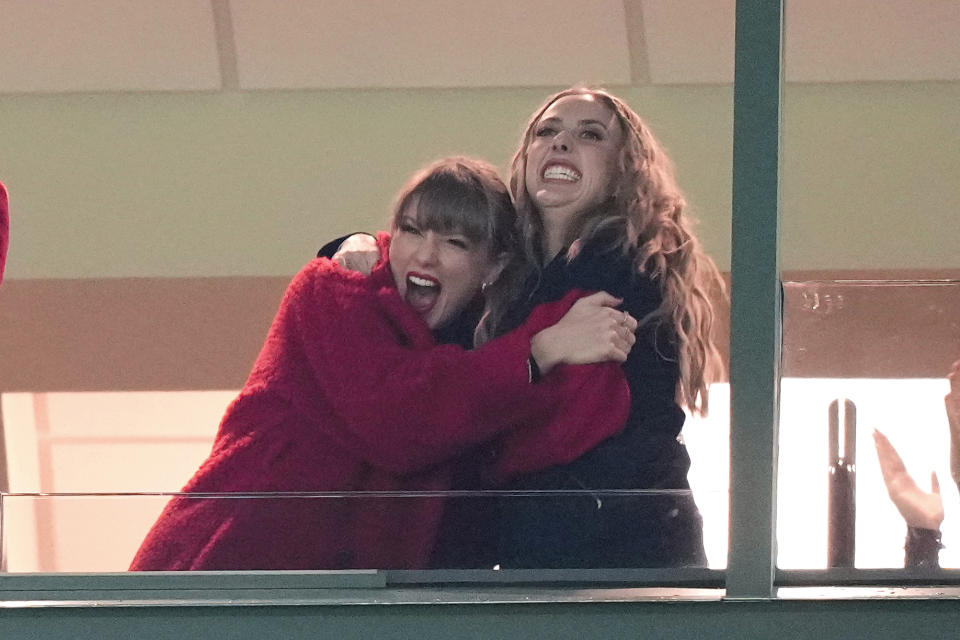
{"points": [[561, 141], [427, 250]]}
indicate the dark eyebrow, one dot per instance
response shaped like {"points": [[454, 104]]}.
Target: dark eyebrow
{"points": [[596, 122]]}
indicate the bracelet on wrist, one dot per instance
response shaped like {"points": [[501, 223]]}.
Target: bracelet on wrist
{"points": [[533, 370]]}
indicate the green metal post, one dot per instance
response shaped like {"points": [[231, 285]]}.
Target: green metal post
{"points": [[755, 322]]}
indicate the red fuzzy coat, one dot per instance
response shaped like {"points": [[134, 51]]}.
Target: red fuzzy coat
{"points": [[350, 393], [4, 228]]}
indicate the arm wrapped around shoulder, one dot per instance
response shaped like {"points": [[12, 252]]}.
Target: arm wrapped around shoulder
{"points": [[588, 404]]}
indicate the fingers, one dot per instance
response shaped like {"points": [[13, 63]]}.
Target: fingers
{"points": [[952, 403], [601, 299], [622, 334], [890, 462], [359, 242], [607, 303], [954, 378], [621, 319], [627, 321], [370, 260], [622, 342], [919, 509], [358, 261], [593, 330], [880, 442], [612, 344], [626, 333], [617, 317], [882, 445]]}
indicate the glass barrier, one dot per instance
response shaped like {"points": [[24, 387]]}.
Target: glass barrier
{"points": [[869, 260], [865, 365], [93, 470], [492, 530]]}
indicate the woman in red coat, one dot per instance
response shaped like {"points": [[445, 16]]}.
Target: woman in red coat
{"points": [[352, 393]]}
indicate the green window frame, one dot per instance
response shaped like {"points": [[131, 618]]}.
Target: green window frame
{"points": [[751, 572]]}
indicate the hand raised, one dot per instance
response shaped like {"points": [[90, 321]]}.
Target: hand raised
{"points": [[952, 399], [358, 253], [951, 402], [593, 330], [918, 508]]}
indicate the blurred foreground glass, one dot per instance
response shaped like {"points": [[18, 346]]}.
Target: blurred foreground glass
{"points": [[102, 532], [861, 355]]}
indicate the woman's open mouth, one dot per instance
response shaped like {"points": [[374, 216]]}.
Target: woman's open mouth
{"points": [[423, 291], [561, 172]]}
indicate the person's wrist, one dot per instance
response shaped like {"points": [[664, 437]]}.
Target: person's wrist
{"points": [[541, 352], [928, 523], [922, 547], [922, 520]]}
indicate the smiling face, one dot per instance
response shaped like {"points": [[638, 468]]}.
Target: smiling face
{"points": [[571, 158], [438, 273]]}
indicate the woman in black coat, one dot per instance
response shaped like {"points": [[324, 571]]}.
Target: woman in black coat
{"points": [[600, 210]]}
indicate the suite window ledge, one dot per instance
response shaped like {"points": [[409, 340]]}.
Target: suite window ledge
{"points": [[449, 595], [869, 593]]}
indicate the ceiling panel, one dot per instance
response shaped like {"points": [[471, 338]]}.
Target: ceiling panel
{"points": [[136, 45], [429, 43], [689, 41], [692, 41], [872, 40], [107, 45]]}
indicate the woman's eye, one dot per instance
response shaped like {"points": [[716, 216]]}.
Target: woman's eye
{"points": [[406, 227], [459, 243], [543, 132], [591, 135]]}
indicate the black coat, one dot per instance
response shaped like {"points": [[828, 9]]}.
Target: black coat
{"points": [[648, 530]]}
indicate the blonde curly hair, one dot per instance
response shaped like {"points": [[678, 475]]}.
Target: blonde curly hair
{"points": [[645, 219]]}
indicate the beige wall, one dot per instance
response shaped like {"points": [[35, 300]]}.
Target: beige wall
{"points": [[153, 234], [249, 183]]}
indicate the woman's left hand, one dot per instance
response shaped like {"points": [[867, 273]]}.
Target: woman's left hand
{"points": [[918, 508], [593, 330], [358, 253]]}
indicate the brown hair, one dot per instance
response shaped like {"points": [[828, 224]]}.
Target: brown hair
{"points": [[465, 195], [645, 219]]}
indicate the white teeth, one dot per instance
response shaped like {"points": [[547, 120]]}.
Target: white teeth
{"points": [[559, 172], [421, 282]]}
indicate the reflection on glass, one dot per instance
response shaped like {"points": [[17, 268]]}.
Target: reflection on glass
{"points": [[861, 356], [100, 443], [870, 255], [315, 196], [101, 533]]}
